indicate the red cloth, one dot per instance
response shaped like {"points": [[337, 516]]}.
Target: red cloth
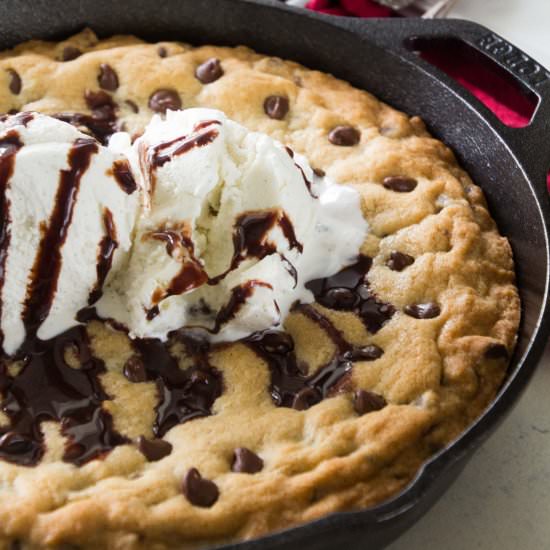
{"points": [[358, 8], [496, 92]]}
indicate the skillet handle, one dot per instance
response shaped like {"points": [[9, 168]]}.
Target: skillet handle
{"points": [[531, 144]]}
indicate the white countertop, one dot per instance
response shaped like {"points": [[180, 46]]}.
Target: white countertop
{"points": [[502, 499]]}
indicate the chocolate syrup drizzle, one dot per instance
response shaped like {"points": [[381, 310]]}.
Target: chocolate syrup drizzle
{"points": [[249, 240], [47, 264], [183, 394], [183, 144], [47, 388], [307, 182], [123, 176], [348, 290], [9, 145], [107, 248], [239, 295], [191, 274], [291, 383]]}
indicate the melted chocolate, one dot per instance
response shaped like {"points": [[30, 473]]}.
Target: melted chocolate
{"points": [[250, 238], [287, 379], [107, 248], [47, 388], [123, 176], [348, 290], [9, 145], [47, 264], [184, 394], [101, 123], [239, 295], [306, 181], [191, 274], [290, 386], [184, 144]]}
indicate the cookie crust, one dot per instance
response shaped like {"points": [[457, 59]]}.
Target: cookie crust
{"points": [[437, 374]]}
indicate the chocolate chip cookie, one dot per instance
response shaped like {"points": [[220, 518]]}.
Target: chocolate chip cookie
{"points": [[108, 442]]}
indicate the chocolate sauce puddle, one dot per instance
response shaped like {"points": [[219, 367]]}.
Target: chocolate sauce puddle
{"points": [[9, 145], [291, 385], [183, 394], [47, 388], [348, 290]]}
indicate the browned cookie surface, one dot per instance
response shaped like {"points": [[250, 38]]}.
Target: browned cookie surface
{"points": [[421, 370]]}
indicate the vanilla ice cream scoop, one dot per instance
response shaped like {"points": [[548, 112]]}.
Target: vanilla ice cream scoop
{"points": [[67, 211], [233, 225]]}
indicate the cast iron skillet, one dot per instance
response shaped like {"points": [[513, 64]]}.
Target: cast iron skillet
{"points": [[509, 164]]}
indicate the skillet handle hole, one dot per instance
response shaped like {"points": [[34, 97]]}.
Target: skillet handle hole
{"points": [[500, 91]]}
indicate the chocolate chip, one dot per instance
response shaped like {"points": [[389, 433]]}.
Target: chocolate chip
{"points": [[245, 461], [276, 106], [398, 261], [132, 105], [367, 401], [14, 444], [164, 99], [154, 449], [367, 353], [277, 342], [340, 298], [496, 351], [345, 136], [134, 370], [400, 184], [69, 53], [422, 311], [199, 491], [162, 52], [209, 71], [97, 99], [15, 84], [305, 398], [319, 172], [107, 78]]}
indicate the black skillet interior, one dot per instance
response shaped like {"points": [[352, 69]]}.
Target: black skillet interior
{"points": [[509, 164]]}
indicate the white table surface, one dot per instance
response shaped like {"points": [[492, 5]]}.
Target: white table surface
{"points": [[502, 499]]}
